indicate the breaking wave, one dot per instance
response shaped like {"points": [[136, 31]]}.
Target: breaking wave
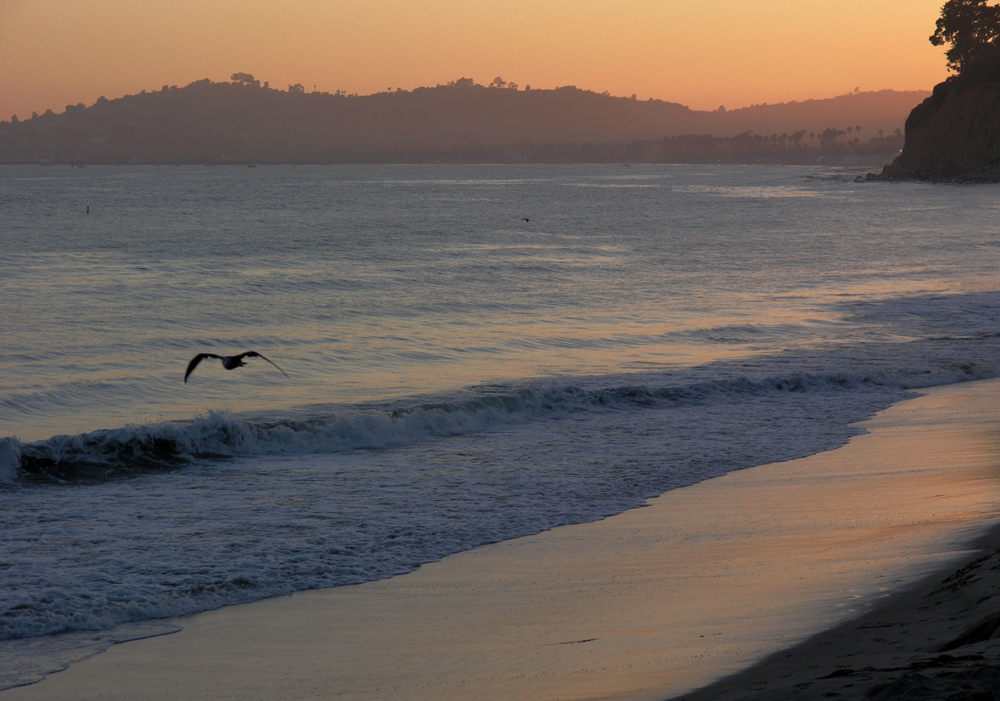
{"points": [[134, 449]]}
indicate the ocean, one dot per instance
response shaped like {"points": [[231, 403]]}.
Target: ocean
{"points": [[473, 354]]}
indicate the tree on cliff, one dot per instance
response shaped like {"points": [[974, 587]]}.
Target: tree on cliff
{"points": [[970, 26]]}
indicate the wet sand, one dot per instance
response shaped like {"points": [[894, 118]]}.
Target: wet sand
{"points": [[937, 640], [653, 603]]}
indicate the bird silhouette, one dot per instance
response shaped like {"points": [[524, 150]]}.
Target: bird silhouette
{"points": [[525, 219], [229, 362]]}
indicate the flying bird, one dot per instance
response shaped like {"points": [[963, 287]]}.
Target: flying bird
{"points": [[229, 362]]}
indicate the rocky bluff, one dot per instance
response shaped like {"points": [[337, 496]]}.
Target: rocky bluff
{"points": [[953, 135]]}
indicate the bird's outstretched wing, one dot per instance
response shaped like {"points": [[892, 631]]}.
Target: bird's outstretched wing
{"points": [[194, 363], [255, 354]]}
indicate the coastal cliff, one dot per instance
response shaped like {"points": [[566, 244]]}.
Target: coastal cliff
{"points": [[952, 136]]}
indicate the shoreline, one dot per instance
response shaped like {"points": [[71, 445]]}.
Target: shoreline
{"points": [[652, 603], [937, 639]]}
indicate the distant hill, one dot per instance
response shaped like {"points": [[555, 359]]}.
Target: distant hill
{"points": [[884, 110], [242, 122]]}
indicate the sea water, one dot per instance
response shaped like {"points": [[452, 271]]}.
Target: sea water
{"points": [[474, 353]]}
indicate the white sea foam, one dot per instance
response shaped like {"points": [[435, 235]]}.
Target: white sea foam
{"points": [[368, 493], [405, 482], [10, 459]]}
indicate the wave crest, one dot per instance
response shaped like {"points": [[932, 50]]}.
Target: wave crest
{"points": [[109, 454]]}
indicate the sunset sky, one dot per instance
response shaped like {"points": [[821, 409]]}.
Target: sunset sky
{"points": [[702, 54]]}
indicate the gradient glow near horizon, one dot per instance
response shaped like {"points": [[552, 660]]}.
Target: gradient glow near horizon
{"points": [[701, 54]]}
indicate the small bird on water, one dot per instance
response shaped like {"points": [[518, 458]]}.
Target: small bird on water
{"points": [[229, 362]]}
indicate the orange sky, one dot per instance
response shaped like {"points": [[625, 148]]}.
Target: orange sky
{"points": [[702, 54]]}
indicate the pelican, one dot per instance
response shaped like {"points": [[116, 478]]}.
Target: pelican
{"points": [[229, 362]]}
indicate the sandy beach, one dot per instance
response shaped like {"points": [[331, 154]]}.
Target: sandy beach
{"points": [[886, 537], [935, 641]]}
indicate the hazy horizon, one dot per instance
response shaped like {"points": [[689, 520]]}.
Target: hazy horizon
{"points": [[736, 54]]}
